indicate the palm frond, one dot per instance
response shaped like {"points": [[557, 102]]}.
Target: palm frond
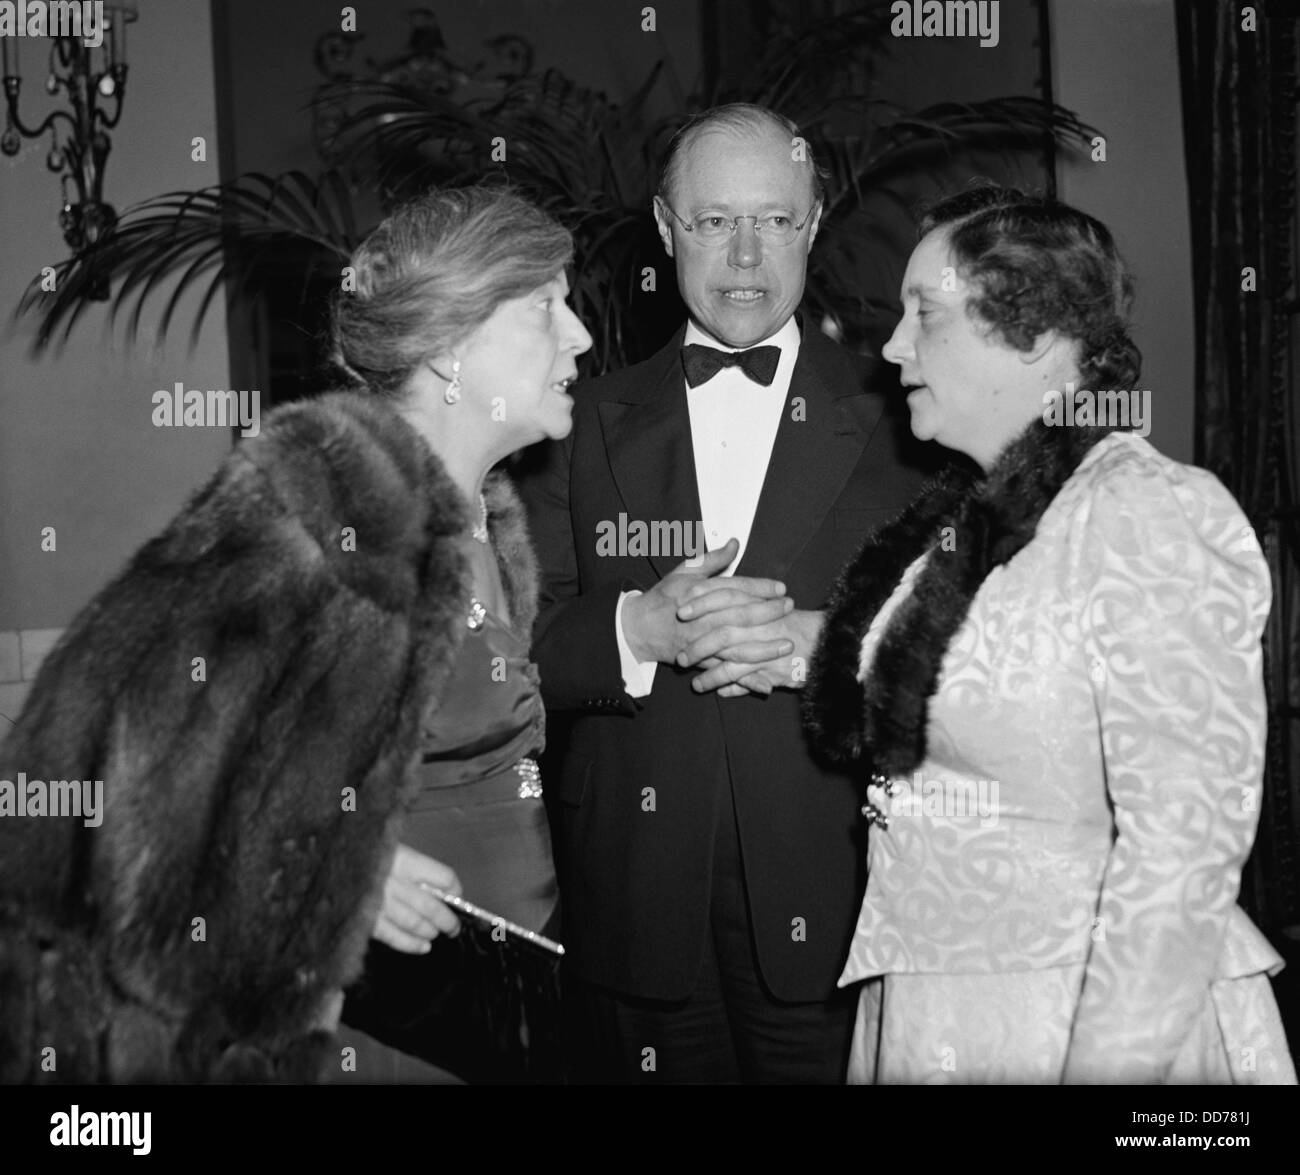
{"points": [[915, 144], [588, 160], [220, 233]]}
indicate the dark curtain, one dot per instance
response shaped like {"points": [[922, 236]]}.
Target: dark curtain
{"points": [[1239, 117]]}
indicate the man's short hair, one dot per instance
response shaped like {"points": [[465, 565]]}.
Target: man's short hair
{"points": [[734, 116]]}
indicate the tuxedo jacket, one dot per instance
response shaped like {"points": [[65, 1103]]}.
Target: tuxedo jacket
{"points": [[639, 780]]}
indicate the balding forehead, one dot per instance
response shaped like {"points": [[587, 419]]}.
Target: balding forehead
{"points": [[768, 138]]}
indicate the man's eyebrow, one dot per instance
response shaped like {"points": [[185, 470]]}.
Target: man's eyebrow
{"points": [[726, 206]]}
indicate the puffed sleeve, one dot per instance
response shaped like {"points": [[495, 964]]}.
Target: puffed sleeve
{"points": [[1174, 595]]}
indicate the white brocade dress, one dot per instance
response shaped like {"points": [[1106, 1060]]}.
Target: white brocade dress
{"points": [[1054, 895]]}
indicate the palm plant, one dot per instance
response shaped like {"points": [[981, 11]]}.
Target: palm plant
{"points": [[590, 161], [227, 235]]}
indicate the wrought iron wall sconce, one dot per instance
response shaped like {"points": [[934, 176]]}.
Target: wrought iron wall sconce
{"points": [[90, 77]]}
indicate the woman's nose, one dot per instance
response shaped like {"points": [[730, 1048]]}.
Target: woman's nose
{"points": [[578, 335], [896, 350]]}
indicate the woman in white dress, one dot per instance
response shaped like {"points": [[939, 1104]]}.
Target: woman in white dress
{"points": [[1049, 672]]}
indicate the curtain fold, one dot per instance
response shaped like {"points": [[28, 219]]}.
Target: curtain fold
{"points": [[1240, 88]]}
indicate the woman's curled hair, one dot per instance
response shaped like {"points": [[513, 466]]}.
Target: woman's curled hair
{"points": [[1035, 265]]}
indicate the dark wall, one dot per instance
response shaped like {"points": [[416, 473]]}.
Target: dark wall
{"points": [[597, 42]]}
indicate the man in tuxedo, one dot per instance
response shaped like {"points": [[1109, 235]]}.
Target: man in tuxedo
{"points": [[710, 869]]}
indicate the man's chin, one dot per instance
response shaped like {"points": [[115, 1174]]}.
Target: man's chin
{"points": [[741, 327]]}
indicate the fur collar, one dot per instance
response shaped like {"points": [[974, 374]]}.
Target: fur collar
{"points": [[992, 518], [508, 525], [361, 458]]}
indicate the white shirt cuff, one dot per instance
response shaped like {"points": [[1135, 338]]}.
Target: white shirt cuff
{"points": [[638, 676]]}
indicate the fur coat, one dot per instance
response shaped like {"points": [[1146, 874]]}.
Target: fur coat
{"points": [[250, 690]]}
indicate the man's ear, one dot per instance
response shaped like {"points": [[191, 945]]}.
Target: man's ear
{"points": [[663, 219], [814, 224]]}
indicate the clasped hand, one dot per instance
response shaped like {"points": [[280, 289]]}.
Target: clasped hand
{"points": [[743, 632]]}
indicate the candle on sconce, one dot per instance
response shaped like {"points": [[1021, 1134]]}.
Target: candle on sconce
{"points": [[125, 15], [12, 65], [4, 55]]}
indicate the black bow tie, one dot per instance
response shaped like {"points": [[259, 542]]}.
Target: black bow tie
{"points": [[702, 363]]}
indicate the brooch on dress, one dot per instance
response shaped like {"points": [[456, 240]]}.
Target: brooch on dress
{"points": [[530, 776], [878, 815]]}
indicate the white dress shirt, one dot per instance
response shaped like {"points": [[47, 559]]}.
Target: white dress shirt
{"points": [[733, 428]]}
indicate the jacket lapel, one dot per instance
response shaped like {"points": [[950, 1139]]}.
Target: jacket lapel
{"points": [[819, 441], [648, 441]]}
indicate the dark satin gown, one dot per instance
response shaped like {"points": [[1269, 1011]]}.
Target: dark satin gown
{"points": [[478, 810], [479, 807]]}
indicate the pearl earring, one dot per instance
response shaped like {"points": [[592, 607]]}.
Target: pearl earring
{"points": [[452, 394]]}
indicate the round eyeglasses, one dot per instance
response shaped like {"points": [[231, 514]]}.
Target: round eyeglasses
{"points": [[710, 228]]}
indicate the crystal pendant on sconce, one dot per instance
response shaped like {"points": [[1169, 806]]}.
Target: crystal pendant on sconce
{"points": [[97, 221], [94, 87], [102, 221], [84, 226]]}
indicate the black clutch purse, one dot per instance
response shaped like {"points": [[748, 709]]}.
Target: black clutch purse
{"points": [[484, 1005]]}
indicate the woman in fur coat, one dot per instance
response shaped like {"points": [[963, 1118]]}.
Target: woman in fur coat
{"points": [[277, 678], [1050, 673]]}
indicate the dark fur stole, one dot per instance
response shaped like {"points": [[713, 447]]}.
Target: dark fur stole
{"points": [[223, 798], [883, 721]]}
